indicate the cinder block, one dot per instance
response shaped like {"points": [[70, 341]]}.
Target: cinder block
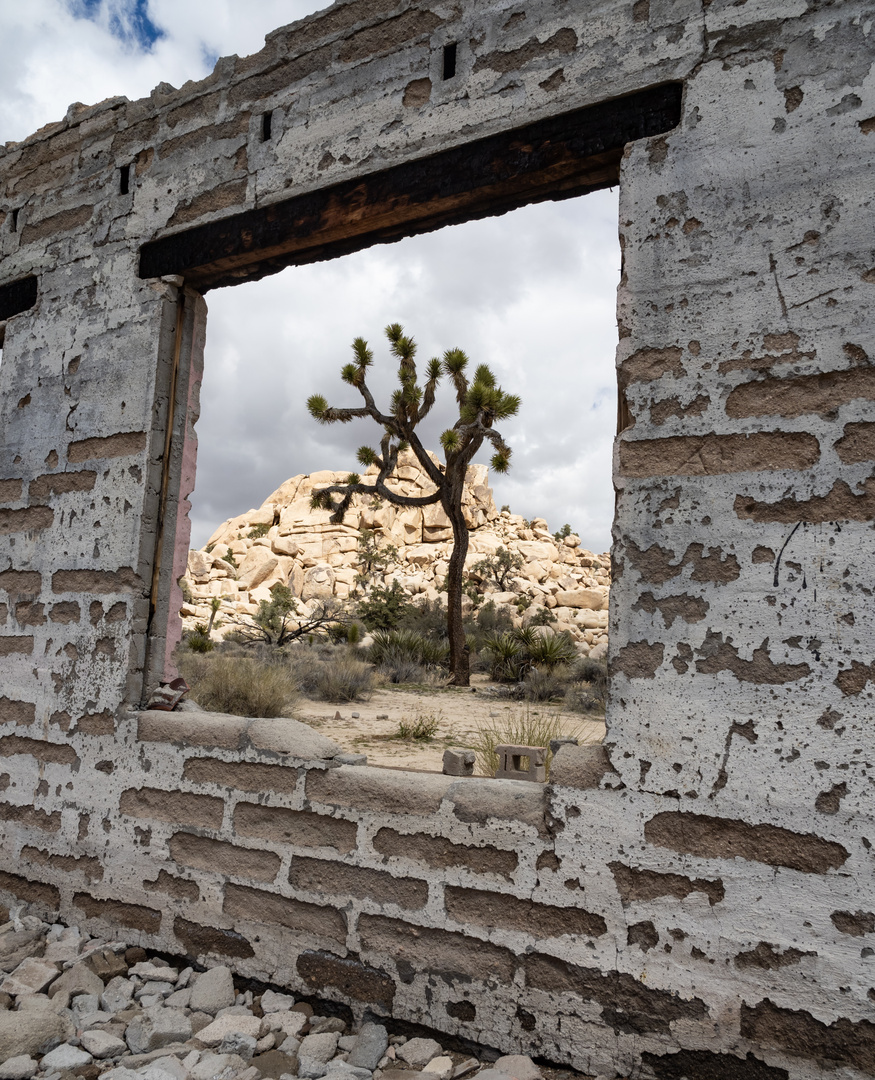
{"points": [[521, 763]]}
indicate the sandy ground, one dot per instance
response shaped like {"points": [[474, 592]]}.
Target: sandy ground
{"points": [[460, 713]]}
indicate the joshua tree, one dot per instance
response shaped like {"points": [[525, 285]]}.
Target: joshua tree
{"points": [[481, 404]]}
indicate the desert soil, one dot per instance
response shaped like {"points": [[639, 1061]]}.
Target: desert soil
{"points": [[460, 714]]}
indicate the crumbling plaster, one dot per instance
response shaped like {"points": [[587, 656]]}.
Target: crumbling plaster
{"points": [[726, 850]]}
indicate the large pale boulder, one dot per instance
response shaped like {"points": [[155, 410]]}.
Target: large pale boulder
{"points": [[199, 564], [318, 583], [284, 545], [542, 550], [435, 524], [258, 565], [589, 599]]}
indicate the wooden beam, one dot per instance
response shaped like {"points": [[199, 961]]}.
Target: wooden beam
{"points": [[558, 158]]}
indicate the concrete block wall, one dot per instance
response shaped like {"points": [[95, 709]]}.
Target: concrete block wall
{"points": [[701, 901]]}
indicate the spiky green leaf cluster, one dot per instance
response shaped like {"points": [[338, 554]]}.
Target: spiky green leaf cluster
{"points": [[317, 406]]}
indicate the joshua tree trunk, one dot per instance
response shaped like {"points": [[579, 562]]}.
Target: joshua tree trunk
{"points": [[459, 652]]}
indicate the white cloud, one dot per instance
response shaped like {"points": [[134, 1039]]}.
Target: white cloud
{"points": [[531, 293]]}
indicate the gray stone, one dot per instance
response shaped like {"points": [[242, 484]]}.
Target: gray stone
{"points": [[166, 1068], [213, 990], [85, 1004], [79, 979], [342, 1070], [230, 1024], [157, 1027], [179, 999], [419, 1052], [150, 972], [238, 1043], [459, 762], [65, 1056], [272, 1002], [18, 1068], [346, 1042], [33, 1032], [213, 1066], [154, 989], [30, 977], [519, 1066], [320, 1047], [289, 1022], [117, 994], [102, 1045], [440, 1067], [319, 1025], [370, 1044], [18, 945]]}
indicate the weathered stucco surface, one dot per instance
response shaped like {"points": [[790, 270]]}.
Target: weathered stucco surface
{"points": [[704, 905]]}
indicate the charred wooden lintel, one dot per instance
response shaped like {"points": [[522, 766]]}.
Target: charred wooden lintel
{"points": [[557, 158]]}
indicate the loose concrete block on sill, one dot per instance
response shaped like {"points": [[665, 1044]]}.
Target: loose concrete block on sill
{"points": [[192, 729], [521, 763], [291, 737], [225, 732]]}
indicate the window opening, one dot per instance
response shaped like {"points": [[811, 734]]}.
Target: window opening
{"points": [[124, 182], [515, 293], [449, 61], [266, 126]]}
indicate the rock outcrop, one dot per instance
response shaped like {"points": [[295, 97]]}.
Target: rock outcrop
{"points": [[286, 542]]}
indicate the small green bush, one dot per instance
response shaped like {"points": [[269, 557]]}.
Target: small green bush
{"points": [[542, 617], [258, 531], [239, 685], [423, 727], [384, 608]]}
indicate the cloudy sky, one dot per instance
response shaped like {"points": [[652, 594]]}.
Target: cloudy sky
{"points": [[531, 293]]}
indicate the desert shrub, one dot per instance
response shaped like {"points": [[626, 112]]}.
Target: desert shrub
{"points": [[542, 617], [545, 684], [563, 532], [336, 677], [527, 728], [409, 645], [239, 685], [398, 668], [423, 727], [589, 688], [384, 608], [258, 531], [199, 640], [428, 619]]}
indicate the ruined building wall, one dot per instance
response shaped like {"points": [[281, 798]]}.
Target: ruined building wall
{"points": [[711, 892]]}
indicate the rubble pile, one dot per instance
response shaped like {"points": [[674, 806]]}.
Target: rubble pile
{"points": [[71, 1005]]}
